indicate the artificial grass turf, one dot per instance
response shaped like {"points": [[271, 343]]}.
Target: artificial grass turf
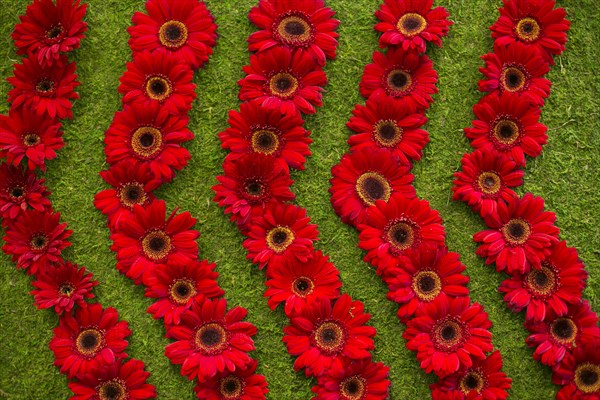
{"points": [[566, 175]]}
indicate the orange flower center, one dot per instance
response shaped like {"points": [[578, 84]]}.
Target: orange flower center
{"points": [[528, 29], [89, 341], [283, 85], [158, 88], [472, 381], [182, 290], [294, 29], [265, 141], [426, 285], [489, 182], [587, 377], [302, 286], [564, 330], [516, 231], [146, 141], [156, 245], [211, 338], [513, 79], [372, 186], [411, 24], [113, 390], [353, 388], [231, 387], [387, 133], [279, 238], [173, 34], [132, 193], [329, 337]]}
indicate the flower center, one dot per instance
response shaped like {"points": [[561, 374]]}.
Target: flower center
{"points": [[513, 79], [279, 238], [54, 32], [231, 387], [528, 29], [146, 141], [294, 30], [564, 330], [401, 235], [506, 131], [211, 338], [387, 133], [283, 85], [353, 388], [587, 377], [132, 193], [38, 242], [265, 141], [411, 24], [472, 381], [254, 188], [66, 289], [173, 34], [489, 182], [158, 88], [542, 282], [45, 86], [112, 390], [448, 335], [31, 139], [181, 290], [302, 286], [156, 245], [16, 192], [372, 186], [427, 285], [516, 231], [398, 82], [329, 337], [88, 342]]}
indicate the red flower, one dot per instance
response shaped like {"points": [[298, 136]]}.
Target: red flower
{"points": [[120, 380], [403, 75], [280, 79], [283, 232], [448, 334], [149, 239], [48, 90], [422, 276], [300, 283], [579, 373], [397, 226], [211, 341], [293, 24], [516, 69], [382, 124], [485, 179], [508, 124], [177, 286], [411, 24], [35, 240], [62, 287], [483, 381], [149, 134], [520, 236], [258, 130], [20, 190], [558, 282], [47, 29], [158, 77], [328, 334], [363, 380], [242, 384], [92, 338], [364, 177], [533, 23], [184, 28]]}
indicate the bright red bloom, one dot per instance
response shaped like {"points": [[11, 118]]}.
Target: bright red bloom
{"points": [[328, 334], [508, 124], [403, 75], [362, 380], [177, 286], [92, 338], [184, 28], [299, 283], [534, 23], [448, 334], [516, 69], [280, 79], [20, 190], [149, 238], [397, 226], [242, 384], [521, 235], [158, 77], [35, 240], [211, 340], [558, 282], [382, 124], [306, 25], [486, 177], [411, 24], [62, 287], [48, 29], [579, 372], [364, 177], [283, 232], [255, 129], [48, 90]]}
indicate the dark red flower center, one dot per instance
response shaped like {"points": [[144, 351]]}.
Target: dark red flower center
{"points": [[89, 341], [254, 188], [54, 32], [426, 285], [31, 139], [146, 142], [506, 131], [283, 85], [398, 82], [38, 241], [295, 30], [16, 192], [265, 141], [542, 282], [45, 85], [211, 338], [158, 87], [411, 24], [472, 381], [66, 289], [448, 335], [513, 78], [516, 231], [231, 387], [173, 34], [353, 388], [401, 235], [528, 29], [329, 337], [182, 290], [112, 390], [587, 377], [563, 330], [156, 245], [372, 186], [387, 133], [279, 238], [132, 193], [302, 286], [489, 182]]}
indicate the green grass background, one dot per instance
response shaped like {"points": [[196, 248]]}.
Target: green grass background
{"points": [[566, 175]]}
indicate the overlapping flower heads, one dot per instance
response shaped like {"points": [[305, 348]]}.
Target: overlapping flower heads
{"points": [[327, 332], [404, 238], [156, 249], [89, 343], [546, 277]]}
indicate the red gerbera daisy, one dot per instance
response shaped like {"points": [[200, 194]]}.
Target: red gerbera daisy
{"points": [[149, 238], [158, 77], [364, 177], [184, 28], [448, 334], [534, 23], [396, 226], [327, 334], [258, 130], [579, 372], [20, 190], [382, 124], [211, 340], [515, 69], [520, 236], [62, 287], [411, 24], [48, 90], [47, 29], [35, 240], [559, 281], [283, 80], [486, 177], [242, 384], [403, 75], [482, 381], [293, 24], [283, 232], [177, 286], [508, 124], [362, 380], [92, 338]]}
